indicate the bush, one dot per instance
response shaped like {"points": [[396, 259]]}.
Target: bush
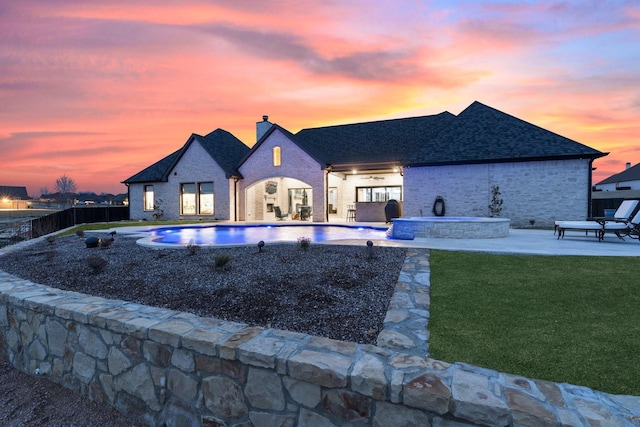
{"points": [[221, 260], [80, 233], [193, 248], [96, 263], [304, 243]]}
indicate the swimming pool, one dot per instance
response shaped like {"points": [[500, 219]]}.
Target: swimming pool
{"points": [[213, 235]]}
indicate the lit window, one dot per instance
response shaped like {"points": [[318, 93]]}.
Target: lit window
{"points": [[206, 198], [188, 199], [196, 198], [148, 197], [277, 161], [378, 194]]}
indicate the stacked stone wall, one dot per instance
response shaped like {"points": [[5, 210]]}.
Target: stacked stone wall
{"points": [[172, 368]]}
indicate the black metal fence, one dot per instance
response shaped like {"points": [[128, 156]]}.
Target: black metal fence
{"points": [[74, 216]]}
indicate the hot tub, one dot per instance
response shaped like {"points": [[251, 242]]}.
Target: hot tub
{"points": [[449, 227]]}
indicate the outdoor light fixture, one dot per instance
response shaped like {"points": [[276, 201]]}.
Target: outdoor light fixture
{"points": [[354, 171]]}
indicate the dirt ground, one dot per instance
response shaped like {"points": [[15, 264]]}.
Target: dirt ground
{"points": [[36, 401]]}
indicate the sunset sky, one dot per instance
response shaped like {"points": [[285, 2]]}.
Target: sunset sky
{"points": [[97, 91]]}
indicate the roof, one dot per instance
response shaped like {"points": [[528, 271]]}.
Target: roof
{"points": [[392, 140], [478, 134], [224, 148], [630, 174], [15, 193], [483, 134]]}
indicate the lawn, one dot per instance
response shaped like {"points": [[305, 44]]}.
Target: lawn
{"points": [[567, 319]]}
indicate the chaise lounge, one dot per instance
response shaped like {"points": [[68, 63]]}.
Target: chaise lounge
{"points": [[621, 216]]}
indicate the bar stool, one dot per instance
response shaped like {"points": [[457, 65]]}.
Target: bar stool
{"points": [[351, 213]]}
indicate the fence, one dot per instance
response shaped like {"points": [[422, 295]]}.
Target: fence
{"points": [[74, 216]]}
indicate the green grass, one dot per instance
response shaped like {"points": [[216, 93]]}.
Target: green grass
{"points": [[568, 319]]}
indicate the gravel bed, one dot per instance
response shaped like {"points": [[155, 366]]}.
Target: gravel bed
{"points": [[335, 291]]}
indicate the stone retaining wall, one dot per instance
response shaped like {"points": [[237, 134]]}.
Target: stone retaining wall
{"points": [[173, 368]]}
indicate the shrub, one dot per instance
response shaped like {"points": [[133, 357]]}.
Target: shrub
{"points": [[80, 233], [51, 239], [96, 263], [193, 248], [221, 260], [304, 243]]}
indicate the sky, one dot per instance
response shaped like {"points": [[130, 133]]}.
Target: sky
{"points": [[97, 91]]}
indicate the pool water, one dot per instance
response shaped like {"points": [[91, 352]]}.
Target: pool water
{"points": [[252, 234]]}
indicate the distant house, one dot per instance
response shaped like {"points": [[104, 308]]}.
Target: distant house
{"points": [[13, 197], [628, 179], [610, 192], [325, 171]]}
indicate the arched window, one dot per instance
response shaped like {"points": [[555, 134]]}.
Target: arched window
{"points": [[277, 161]]}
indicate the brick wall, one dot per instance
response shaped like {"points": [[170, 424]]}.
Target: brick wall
{"points": [[296, 164], [196, 165], [538, 191]]}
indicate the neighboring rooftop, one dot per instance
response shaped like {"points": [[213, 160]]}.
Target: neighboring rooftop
{"points": [[629, 174], [14, 193]]}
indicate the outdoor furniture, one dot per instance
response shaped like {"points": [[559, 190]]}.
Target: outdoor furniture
{"points": [[624, 229], [279, 213], [351, 212], [305, 212], [600, 225]]}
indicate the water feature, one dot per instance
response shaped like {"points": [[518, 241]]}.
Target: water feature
{"points": [[450, 227]]}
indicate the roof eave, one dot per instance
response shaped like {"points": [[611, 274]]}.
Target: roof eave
{"points": [[507, 160]]}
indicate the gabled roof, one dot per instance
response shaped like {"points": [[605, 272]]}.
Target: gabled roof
{"points": [[631, 174], [482, 134], [224, 148], [15, 193], [293, 138], [478, 134]]}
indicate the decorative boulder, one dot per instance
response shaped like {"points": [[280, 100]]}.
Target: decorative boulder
{"points": [[92, 242]]}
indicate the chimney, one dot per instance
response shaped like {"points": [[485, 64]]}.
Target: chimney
{"points": [[627, 166], [262, 127]]}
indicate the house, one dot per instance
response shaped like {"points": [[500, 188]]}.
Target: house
{"points": [[610, 192], [196, 181], [12, 197], [322, 172]]}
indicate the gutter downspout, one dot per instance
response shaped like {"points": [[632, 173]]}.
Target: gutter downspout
{"points": [[235, 198], [589, 198]]}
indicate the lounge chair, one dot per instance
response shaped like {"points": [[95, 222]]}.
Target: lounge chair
{"points": [[621, 216], [624, 229], [279, 213]]}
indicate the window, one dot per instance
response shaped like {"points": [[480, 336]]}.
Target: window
{"points": [[188, 199], [277, 161], [196, 198], [148, 198], [206, 198], [378, 194], [333, 200]]}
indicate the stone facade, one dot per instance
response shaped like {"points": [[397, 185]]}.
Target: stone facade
{"points": [[196, 165], [172, 368], [540, 191]]}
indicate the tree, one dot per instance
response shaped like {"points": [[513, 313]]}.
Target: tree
{"points": [[65, 186]]}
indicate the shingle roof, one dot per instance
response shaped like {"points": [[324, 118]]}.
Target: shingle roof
{"points": [[392, 140], [631, 174], [478, 134], [224, 148], [15, 193], [484, 134]]}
